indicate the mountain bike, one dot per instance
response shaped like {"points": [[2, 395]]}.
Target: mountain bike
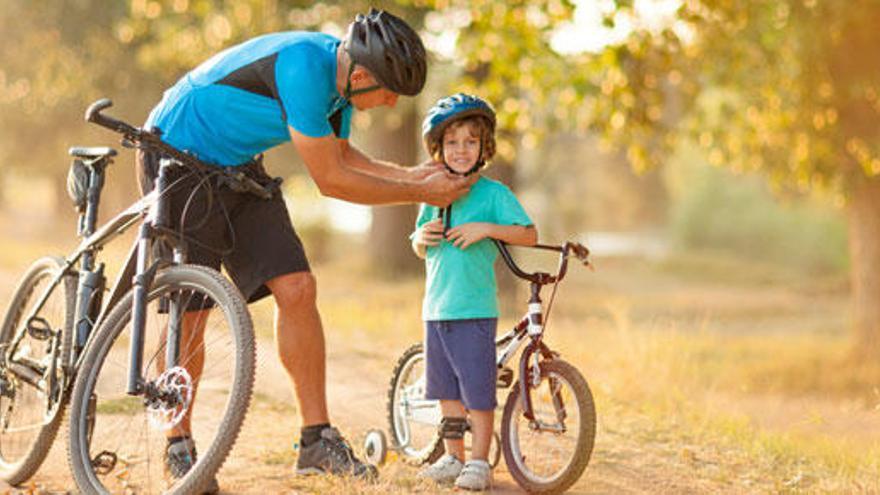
{"points": [[548, 425], [129, 365]]}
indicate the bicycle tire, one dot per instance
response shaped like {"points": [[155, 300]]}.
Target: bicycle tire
{"points": [[17, 471], [433, 448], [228, 302], [516, 461]]}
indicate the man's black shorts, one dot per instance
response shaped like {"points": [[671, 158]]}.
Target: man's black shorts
{"points": [[252, 237]]}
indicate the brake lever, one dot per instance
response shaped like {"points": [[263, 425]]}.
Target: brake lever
{"points": [[582, 253]]}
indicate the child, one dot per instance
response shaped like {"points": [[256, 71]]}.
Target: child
{"points": [[460, 307]]}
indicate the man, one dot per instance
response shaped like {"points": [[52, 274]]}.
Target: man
{"points": [[299, 87]]}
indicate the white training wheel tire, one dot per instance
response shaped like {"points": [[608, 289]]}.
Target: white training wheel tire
{"points": [[375, 447]]}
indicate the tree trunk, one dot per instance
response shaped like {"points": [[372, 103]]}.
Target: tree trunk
{"points": [[393, 136], [864, 242]]}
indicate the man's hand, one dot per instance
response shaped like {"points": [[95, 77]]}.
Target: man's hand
{"points": [[442, 188], [430, 233], [466, 234], [423, 170]]}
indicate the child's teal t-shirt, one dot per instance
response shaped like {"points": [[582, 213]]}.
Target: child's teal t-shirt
{"points": [[460, 283]]}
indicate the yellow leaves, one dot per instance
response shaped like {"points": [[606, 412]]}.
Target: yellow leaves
{"points": [[153, 10], [705, 139], [674, 77], [125, 33], [801, 148], [826, 90], [180, 6], [860, 150], [831, 116], [217, 30], [617, 121], [243, 13], [138, 7]]}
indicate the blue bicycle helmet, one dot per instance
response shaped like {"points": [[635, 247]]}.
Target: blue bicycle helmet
{"points": [[453, 108]]}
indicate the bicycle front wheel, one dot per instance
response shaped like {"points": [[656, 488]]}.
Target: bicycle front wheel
{"points": [[549, 454], [31, 403], [118, 441]]}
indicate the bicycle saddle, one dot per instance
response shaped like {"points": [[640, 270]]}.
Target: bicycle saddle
{"points": [[91, 152]]}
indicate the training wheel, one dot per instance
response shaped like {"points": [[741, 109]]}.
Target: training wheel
{"points": [[375, 447], [495, 449]]}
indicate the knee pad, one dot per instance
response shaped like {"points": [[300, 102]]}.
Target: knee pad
{"points": [[453, 428]]}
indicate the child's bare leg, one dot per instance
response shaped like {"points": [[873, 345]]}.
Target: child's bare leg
{"points": [[454, 409], [482, 424]]}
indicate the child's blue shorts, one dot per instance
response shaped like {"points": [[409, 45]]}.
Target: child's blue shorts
{"points": [[460, 357]]}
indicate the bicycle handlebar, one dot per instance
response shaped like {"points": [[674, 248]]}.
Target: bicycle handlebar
{"points": [[580, 251], [94, 115]]}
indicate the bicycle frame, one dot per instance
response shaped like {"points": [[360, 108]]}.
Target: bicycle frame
{"points": [[138, 271], [530, 327]]}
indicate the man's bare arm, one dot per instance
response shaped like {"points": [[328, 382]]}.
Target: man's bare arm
{"points": [[326, 164], [357, 159]]}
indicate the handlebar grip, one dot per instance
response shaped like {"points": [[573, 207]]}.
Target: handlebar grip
{"points": [[94, 115], [95, 108]]}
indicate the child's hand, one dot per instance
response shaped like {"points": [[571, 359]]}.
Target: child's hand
{"points": [[430, 233], [468, 233]]}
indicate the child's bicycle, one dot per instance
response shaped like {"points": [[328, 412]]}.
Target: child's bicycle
{"points": [[123, 362], [549, 421]]}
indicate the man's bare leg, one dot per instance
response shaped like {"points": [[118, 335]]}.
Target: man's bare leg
{"points": [[299, 337], [192, 358]]}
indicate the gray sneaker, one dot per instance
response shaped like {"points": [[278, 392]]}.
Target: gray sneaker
{"points": [[444, 471], [476, 475], [180, 457], [331, 454]]}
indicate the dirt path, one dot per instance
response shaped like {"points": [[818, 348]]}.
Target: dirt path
{"points": [[632, 454], [626, 459]]}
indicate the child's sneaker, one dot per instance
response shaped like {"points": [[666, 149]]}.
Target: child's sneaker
{"points": [[444, 471], [476, 475]]}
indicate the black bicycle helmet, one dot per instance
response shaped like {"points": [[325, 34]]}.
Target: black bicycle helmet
{"points": [[449, 109], [390, 49]]}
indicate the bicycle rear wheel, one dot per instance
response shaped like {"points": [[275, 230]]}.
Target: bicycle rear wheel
{"points": [[412, 419], [550, 455], [118, 441], [30, 412]]}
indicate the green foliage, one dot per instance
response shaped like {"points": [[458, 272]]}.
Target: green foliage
{"points": [[503, 50], [714, 210], [796, 89]]}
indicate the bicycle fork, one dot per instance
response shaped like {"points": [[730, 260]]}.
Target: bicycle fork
{"points": [[535, 351], [141, 284]]}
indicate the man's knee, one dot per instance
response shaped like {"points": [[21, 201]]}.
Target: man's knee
{"points": [[294, 290]]}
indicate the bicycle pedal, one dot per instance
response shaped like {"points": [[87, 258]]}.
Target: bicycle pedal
{"points": [[38, 328], [6, 388]]}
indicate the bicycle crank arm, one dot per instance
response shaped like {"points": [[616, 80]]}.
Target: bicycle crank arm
{"points": [[25, 373]]}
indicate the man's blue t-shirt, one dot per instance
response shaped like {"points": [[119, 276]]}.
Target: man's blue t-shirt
{"points": [[241, 101], [460, 283]]}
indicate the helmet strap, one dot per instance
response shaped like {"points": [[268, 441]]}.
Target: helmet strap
{"points": [[344, 100]]}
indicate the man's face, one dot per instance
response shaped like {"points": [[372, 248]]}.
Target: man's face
{"points": [[371, 99]]}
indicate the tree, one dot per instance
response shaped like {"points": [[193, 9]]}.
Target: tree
{"points": [[790, 89]]}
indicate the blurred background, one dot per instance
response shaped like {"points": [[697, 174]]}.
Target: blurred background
{"points": [[721, 159]]}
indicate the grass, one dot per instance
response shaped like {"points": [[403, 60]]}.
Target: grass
{"points": [[735, 376]]}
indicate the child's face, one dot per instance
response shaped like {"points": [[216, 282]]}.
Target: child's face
{"points": [[461, 147]]}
